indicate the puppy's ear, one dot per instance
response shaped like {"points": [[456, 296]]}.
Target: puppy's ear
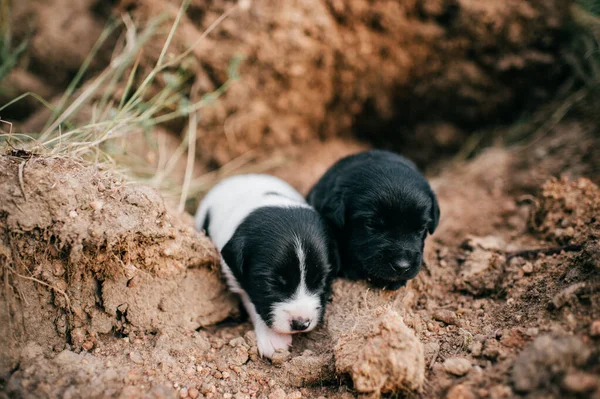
{"points": [[233, 255], [435, 213]]}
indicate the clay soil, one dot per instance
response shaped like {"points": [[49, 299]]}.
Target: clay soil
{"points": [[507, 305], [107, 292]]}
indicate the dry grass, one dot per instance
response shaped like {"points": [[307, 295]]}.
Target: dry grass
{"points": [[122, 108]]}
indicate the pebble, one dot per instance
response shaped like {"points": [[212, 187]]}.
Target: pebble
{"points": [[460, 392], [595, 329], [501, 392], [476, 348], [239, 341], [295, 395], [218, 343], [277, 394], [96, 205], [457, 366], [240, 356], [281, 356], [183, 393], [193, 393], [445, 315], [250, 337], [87, 345], [527, 268], [136, 357], [492, 349], [579, 382], [227, 395], [241, 395]]}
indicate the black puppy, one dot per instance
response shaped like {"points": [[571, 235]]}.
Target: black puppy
{"points": [[380, 209]]}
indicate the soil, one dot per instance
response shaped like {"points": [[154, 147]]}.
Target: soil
{"points": [[318, 68], [108, 292], [507, 305]]}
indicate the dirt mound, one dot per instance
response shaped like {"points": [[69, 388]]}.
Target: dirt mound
{"points": [[323, 68], [569, 211], [84, 254], [547, 359], [371, 342]]}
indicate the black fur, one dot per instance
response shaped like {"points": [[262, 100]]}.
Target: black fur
{"points": [[262, 256], [206, 223], [380, 209]]}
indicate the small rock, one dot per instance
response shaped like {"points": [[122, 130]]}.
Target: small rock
{"points": [[73, 214], [96, 205], [595, 329], [227, 395], [445, 315], [457, 366], [240, 356], [460, 392], [87, 345], [183, 393], [253, 353], [527, 268], [136, 357], [250, 337], [78, 337], [476, 348], [492, 349], [277, 394], [239, 341], [281, 356], [193, 393], [501, 392], [546, 358], [218, 343], [579, 382], [241, 395], [295, 395]]}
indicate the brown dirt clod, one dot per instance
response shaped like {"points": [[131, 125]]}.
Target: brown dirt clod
{"points": [[128, 266]]}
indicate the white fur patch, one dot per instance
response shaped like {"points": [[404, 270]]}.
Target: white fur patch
{"points": [[267, 340], [233, 199], [303, 305]]}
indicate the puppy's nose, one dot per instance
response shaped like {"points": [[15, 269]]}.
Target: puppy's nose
{"points": [[402, 266], [300, 324]]}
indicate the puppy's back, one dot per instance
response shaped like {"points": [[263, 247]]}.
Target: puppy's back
{"points": [[228, 203]]}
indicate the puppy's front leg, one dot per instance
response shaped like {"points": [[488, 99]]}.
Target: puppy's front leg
{"points": [[267, 340]]}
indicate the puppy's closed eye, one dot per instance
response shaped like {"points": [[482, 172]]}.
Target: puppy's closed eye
{"points": [[374, 223], [281, 281]]}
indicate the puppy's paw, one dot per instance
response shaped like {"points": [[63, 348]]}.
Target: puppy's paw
{"points": [[268, 342]]}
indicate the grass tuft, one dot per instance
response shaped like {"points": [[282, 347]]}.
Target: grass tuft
{"points": [[121, 106]]}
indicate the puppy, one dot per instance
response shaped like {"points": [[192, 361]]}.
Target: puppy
{"points": [[275, 253], [380, 209]]}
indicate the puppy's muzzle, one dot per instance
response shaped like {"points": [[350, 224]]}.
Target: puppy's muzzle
{"points": [[300, 324], [406, 265]]}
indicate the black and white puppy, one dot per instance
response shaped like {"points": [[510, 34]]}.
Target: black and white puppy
{"points": [[275, 253], [380, 209]]}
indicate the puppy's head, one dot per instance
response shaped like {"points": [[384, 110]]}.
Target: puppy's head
{"points": [[281, 258], [384, 221]]}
